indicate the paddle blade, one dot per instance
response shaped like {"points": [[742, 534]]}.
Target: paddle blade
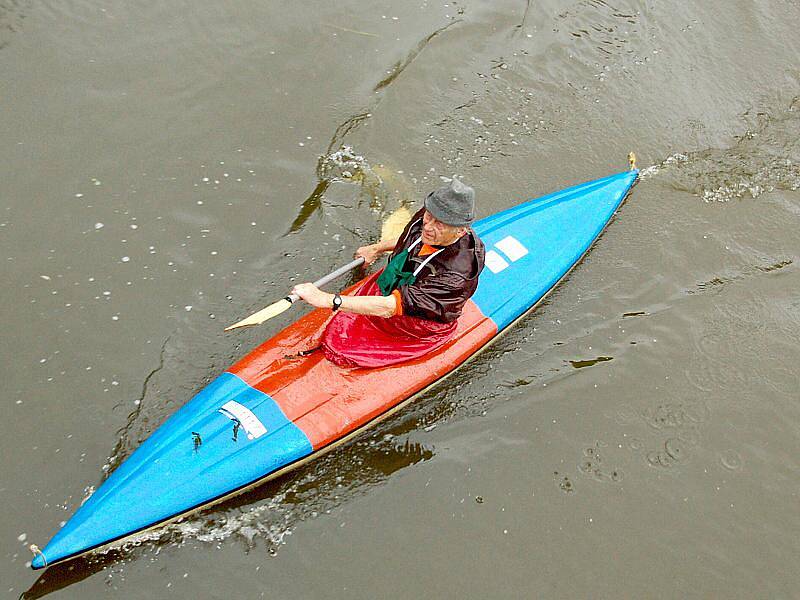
{"points": [[273, 310], [395, 223]]}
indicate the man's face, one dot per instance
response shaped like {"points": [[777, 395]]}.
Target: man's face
{"points": [[436, 233]]}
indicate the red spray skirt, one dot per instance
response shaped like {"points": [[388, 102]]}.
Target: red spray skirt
{"points": [[352, 340]]}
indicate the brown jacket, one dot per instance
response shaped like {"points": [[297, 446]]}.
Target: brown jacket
{"points": [[446, 283]]}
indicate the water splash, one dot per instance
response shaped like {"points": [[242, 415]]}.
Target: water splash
{"points": [[765, 158], [653, 170], [346, 165]]}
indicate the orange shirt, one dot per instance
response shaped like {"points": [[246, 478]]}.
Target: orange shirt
{"points": [[426, 250], [398, 303]]}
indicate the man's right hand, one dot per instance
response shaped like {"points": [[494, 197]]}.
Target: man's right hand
{"points": [[369, 253]]}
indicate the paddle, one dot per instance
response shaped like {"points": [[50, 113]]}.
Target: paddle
{"points": [[390, 230]]}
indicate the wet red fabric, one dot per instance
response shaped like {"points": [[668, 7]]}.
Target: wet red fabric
{"points": [[352, 340]]}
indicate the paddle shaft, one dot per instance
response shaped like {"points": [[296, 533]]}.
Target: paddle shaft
{"points": [[331, 276]]}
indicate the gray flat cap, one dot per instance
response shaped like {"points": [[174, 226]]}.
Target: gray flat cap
{"points": [[452, 204]]}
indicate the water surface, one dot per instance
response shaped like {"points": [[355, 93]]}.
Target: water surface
{"points": [[165, 175]]}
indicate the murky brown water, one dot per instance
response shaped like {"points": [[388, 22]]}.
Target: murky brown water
{"points": [[637, 437]]}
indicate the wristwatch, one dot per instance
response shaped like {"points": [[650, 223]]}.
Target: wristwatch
{"points": [[337, 302]]}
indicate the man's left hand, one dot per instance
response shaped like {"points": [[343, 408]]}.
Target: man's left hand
{"points": [[313, 295]]}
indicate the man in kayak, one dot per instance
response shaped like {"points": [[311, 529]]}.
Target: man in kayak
{"points": [[411, 307]]}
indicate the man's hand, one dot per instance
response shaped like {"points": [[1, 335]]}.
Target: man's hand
{"points": [[313, 295], [369, 253]]}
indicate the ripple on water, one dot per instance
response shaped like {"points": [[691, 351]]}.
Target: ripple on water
{"points": [[680, 425], [599, 31], [592, 465], [731, 460]]}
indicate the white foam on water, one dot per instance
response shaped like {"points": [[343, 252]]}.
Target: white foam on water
{"points": [[656, 169]]}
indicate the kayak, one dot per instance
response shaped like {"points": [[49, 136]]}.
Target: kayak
{"points": [[281, 405]]}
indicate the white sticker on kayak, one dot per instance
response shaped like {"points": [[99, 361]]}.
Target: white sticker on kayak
{"points": [[512, 248], [242, 414], [495, 262]]}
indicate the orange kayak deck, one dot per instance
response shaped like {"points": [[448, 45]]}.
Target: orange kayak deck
{"points": [[327, 401]]}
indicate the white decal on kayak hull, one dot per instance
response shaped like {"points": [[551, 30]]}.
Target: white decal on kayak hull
{"points": [[512, 248], [235, 411], [495, 262]]}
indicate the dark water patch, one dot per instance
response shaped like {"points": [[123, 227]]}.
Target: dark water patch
{"points": [[712, 284], [402, 65], [342, 131], [522, 23], [309, 206], [580, 364], [716, 283], [775, 266], [128, 439]]}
